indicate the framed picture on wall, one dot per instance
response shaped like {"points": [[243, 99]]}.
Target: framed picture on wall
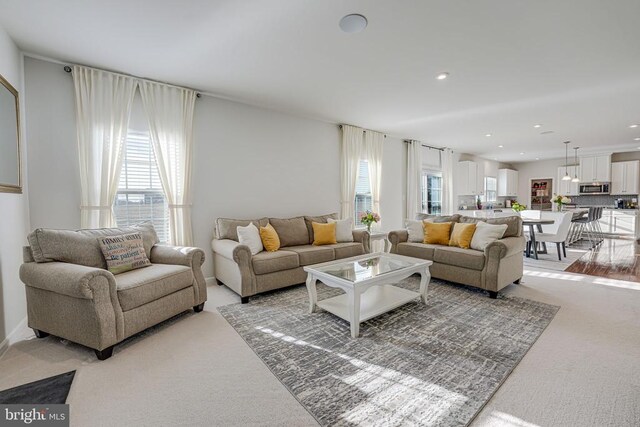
{"points": [[10, 162]]}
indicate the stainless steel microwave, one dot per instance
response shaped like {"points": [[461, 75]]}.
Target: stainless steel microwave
{"points": [[595, 188]]}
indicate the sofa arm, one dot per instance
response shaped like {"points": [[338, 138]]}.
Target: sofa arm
{"points": [[505, 247], [398, 236], [187, 256], [177, 255], [72, 280], [362, 236]]}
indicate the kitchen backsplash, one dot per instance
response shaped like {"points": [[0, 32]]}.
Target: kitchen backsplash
{"points": [[600, 200]]}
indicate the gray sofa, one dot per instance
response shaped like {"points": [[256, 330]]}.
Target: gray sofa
{"points": [[71, 294], [248, 274], [499, 265]]}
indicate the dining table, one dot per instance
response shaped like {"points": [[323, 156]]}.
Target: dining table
{"points": [[533, 224]]}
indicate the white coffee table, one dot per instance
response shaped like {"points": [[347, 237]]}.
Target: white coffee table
{"points": [[368, 282]]}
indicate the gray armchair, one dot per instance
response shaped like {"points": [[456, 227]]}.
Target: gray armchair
{"points": [[71, 294]]}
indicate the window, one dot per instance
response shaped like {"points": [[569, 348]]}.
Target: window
{"points": [[363, 201], [490, 189], [140, 196], [431, 191]]}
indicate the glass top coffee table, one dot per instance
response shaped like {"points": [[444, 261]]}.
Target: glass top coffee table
{"points": [[368, 282]]}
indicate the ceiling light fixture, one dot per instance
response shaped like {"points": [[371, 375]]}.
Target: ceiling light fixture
{"points": [[537, 126], [522, 153], [636, 139], [575, 176], [500, 146], [442, 76], [537, 158], [633, 126], [488, 134], [353, 23], [566, 176]]}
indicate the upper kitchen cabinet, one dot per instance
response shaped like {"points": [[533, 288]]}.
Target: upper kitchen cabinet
{"points": [[467, 178], [625, 178], [507, 183], [595, 168], [568, 188]]}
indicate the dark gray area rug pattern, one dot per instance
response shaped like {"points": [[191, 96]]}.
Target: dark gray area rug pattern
{"points": [[424, 365], [48, 391]]}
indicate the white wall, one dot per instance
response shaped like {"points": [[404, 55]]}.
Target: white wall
{"points": [[14, 211], [249, 162]]}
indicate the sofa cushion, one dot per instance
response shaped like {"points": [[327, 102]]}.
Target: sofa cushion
{"points": [[81, 246], [514, 223], [226, 228], [309, 254], [417, 250], [438, 218], [292, 231], [139, 287], [124, 252], [466, 258], [320, 218], [268, 262], [324, 233], [346, 250], [437, 233], [269, 237]]}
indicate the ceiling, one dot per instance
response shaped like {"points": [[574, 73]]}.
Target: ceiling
{"points": [[572, 65]]}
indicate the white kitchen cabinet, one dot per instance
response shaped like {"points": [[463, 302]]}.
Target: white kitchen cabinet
{"points": [[568, 188], [625, 178], [480, 178], [595, 168], [507, 183], [467, 178]]}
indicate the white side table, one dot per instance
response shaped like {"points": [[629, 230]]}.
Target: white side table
{"points": [[379, 235]]}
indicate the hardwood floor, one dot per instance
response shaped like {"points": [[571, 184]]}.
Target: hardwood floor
{"points": [[614, 259]]}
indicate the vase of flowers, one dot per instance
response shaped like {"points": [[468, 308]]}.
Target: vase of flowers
{"points": [[561, 200], [368, 218]]}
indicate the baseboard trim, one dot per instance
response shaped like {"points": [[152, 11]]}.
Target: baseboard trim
{"points": [[210, 280], [4, 345]]}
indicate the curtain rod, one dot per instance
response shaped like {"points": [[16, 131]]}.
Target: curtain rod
{"points": [[69, 70], [427, 146], [364, 130]]}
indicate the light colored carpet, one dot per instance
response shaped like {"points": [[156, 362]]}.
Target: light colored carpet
{"points": [[582, 371], [549, 261], [433, 364]]}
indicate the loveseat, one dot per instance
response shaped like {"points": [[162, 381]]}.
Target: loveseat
{"points": [[72, 295], [499, 265], [248, 274]]}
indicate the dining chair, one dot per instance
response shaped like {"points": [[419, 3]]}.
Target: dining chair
{"points": [[560, 236]]}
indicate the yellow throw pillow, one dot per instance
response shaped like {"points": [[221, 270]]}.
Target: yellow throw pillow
{"points": [[461, 235], [269, 237], [436, 233], [324, 234]]}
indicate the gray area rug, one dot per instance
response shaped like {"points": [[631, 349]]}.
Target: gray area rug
{"points": [[50, 390], [424, 365]]}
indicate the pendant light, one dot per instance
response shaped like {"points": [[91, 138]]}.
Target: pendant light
{"points": [[566, 176], [575, 177]]}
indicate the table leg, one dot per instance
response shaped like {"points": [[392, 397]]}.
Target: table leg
{"points": [[425, 278], [354, 311], [532, 234], [386, 245], [544, 244], [313, 295]]}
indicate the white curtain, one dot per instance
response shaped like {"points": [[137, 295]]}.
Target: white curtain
{"points": [[414, 175], [350, 154], [170, 113], [448, 204], [103, 104], [373, 149]]}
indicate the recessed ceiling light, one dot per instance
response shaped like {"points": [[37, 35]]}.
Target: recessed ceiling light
{"points": [[495, 158], [537, 158], [442, 76], [522, 153], [633, 126], [500, 146], [537, 126], [636, 139], [353, 23], [488, 134]]}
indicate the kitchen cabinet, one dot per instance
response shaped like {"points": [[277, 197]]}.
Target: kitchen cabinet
{"points": [[507, 183], [568, 188], [625, 178], [595, 168], [468, 177], [621, 222]]}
